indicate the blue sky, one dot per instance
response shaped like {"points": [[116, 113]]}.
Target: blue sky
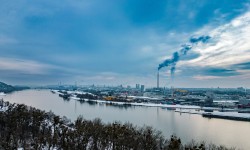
{"points": [[124, 41]]}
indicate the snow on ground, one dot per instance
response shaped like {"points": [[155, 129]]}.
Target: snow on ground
{"points": [[75, 98], [76, 92], [3, 108], [2, 94], [225, 101], [79, 92], [44, 148], [189, 111]]}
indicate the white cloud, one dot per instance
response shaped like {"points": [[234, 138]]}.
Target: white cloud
{"points": [[23, 66], [200, 77], [230, 44]]}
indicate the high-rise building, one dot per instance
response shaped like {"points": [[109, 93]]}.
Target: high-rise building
{"points": [[137, 86], [142, 88]]}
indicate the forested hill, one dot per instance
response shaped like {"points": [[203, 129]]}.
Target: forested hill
{"points": [[6, 88], [9, 88]]}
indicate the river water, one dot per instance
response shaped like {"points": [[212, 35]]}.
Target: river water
{"points": [[186, 126]]}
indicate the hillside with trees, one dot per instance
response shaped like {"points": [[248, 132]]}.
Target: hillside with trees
{"points": [[6, 88], [9, 88]]}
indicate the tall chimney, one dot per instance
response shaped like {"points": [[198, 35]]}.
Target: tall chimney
{"points": [[158, 79]]}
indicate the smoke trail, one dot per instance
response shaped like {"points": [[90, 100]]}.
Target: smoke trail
{"points": [[202, 39], [183, 51], [170, 62], [185, 48]]}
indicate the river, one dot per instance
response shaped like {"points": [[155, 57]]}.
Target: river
{"points": [[186, 126]]}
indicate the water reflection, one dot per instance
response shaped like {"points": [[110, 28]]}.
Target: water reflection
{"points": [[66, 99]]}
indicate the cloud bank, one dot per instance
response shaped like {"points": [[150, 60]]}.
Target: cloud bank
{"points": [[72, 41]]}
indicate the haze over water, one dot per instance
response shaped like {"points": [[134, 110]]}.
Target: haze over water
{"points": [[185, 126]]}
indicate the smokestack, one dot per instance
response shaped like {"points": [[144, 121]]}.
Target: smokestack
{"points": [[158, 79]]}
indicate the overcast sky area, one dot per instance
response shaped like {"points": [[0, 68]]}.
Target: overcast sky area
{"points": [[123, 42]]}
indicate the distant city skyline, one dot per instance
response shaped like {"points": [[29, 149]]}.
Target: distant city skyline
{"points": [[194, 43]]}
